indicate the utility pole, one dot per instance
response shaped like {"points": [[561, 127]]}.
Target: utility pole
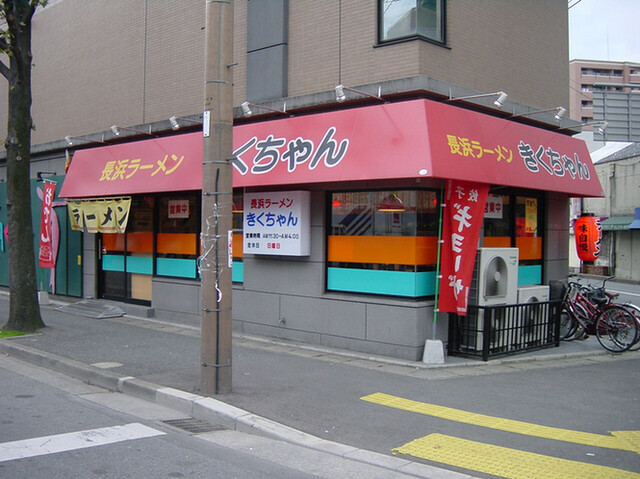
{"points": [[217, 199]]}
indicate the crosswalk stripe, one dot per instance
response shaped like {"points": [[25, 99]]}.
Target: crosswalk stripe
{"points": [[74, 440]]}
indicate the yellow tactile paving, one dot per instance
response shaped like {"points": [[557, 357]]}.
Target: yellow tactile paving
{"points": [[505, 462], [622, 440]]}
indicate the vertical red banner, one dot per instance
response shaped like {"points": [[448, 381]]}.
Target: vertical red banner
{"points": [[461, 223], [45, 252]]}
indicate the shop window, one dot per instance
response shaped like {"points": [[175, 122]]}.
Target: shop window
{"points": [[177, 239], [516, 221], [383, 242], [237, 272], [126, 259], [406, 19]]}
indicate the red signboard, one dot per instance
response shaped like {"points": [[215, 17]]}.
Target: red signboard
{"points": [[462, 218], [412, 139]]}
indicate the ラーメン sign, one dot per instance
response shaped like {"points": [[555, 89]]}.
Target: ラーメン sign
{"points": [[277, 223]]}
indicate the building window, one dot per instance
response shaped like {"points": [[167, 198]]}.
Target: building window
{"points": [[516, 221], [383, 242], [403, 19]]}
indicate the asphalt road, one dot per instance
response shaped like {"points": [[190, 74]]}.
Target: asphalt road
{"points": [[55, 427]]}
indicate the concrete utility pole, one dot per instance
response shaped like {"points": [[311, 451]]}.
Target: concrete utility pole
{"points": [[217, 199]]}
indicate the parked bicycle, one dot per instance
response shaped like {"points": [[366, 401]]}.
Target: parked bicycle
{"points": [[589, 310], [635, 311]]}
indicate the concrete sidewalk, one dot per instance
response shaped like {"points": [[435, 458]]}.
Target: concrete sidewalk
{"points": [[292, 392]]}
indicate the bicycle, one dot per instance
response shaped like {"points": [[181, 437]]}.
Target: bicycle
{"points": [[635, 311], [588, 310], [632, 308]]}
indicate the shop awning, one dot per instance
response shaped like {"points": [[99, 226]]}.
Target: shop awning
{"points": [[405, 140], [616, 223], [635, 224], [159, 165]]}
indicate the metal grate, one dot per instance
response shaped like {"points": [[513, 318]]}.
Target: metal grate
{"points": [[193, 425]]}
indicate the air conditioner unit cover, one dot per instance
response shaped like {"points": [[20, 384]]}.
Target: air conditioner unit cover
{"points": [[497, 275], [533, 294]]}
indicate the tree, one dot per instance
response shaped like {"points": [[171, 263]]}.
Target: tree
{"points": [[15, 42]]}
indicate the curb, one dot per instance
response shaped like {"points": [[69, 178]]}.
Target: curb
{"points": [[213, 410]]}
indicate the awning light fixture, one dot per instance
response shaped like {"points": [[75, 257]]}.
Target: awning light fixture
{"points": [[40, 174], [341, 97], [502, 97], [115, 129], [602, 125], [176, 126], [247, 111], [560, 111]]}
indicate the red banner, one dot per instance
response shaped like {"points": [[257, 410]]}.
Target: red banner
{"points": [[45, 253], [462, 219]]}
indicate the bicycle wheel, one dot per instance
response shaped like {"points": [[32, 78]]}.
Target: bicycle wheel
{"points": [[582, 318], [616, 329], [635, 310], [576, 319], [568, 325]]}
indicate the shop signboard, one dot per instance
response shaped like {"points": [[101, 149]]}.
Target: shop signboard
{"points": [[277, 223]]}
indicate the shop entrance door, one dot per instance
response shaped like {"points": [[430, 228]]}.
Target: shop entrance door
{"points": [[125, 260]]}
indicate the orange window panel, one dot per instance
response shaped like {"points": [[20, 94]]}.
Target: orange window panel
{"points": [[415, 250], [176, 243], [140, 242], [237, 246], [497, 242], [530, 247], [113, 241]]}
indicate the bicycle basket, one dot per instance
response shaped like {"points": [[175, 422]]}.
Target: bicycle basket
{"points": [[596, 296]]}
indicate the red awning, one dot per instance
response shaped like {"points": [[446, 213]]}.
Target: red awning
{"points": [[159, 165], [413, 139]]}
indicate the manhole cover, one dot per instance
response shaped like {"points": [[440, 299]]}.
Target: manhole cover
{"points": [[193, 425]]}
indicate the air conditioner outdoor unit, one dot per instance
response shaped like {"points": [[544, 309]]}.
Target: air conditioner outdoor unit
{"points": [[534, 321], [495, 282]]}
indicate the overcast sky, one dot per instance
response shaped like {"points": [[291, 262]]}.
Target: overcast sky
{"points": [[604, 30]]}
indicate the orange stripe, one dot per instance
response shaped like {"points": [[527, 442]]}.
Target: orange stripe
{"points": [[113, 241], [497, 242], [530, 247], [140, 242], [414, 250], [237, 246], [176, 243]]}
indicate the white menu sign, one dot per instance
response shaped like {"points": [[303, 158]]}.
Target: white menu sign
{"points": [[277, 223]]}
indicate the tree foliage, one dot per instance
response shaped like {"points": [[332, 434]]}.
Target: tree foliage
{"points": [[15, 42]]}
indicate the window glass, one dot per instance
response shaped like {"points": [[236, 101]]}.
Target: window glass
{"points": [[383, 242], [178, 237], [407, 18], [497, 218], [528, 238], [385, 213], [237, 272], [511, 221]]}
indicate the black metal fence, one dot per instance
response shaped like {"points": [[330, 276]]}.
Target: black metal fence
{"points": [[499, 330]]}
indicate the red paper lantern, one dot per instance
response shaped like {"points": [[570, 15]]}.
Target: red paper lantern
{"points": [[588, 232]]}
